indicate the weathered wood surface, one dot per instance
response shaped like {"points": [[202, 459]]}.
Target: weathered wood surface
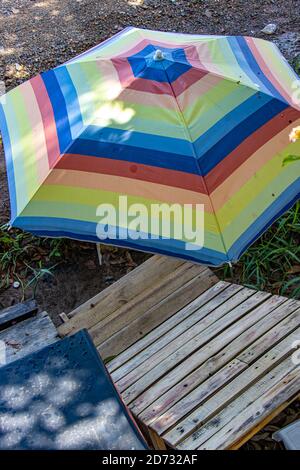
{"points": [[140, 301], [189, 347], [281, 392], [214, 371], [216, 401], [186, 359], [262, 423], [144, 345], [157, 314], [119, 293], [237, 408], [215, 362], [26, 337], [17, 313]]}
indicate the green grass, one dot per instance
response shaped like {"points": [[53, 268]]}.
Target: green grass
{"points": [[273, 262], [24, 256]]}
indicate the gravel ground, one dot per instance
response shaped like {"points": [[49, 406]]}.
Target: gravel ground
{"points": [[38, 35], [42, 34]]}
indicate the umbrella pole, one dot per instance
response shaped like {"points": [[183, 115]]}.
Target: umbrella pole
{"points": [[231, 270], [98, 246]]}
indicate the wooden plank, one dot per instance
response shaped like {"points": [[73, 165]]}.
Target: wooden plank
{"points": [[128, 356], [270, 338], [130, 285], [164, 415], [190, 315], [136, 307], [201, 414], [119, 293], [286, 326], [28, 336], [191, 360], [237, 407], [263, 423], [178, 410], [17, 313], [242, 423], [214, 321], [216, 355], [262, 331], [144, 323]]}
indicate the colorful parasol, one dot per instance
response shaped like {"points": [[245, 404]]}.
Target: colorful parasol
{"points": [[184, 121]]}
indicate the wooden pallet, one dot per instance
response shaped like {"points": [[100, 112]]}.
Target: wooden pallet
{"points": [[215, 371], [22, 331], [201, 363], [16, 313], [138, 302]]}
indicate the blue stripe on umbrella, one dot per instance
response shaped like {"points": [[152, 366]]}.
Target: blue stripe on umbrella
{"points": [[254, 66], [239, 133], [81, 230], [59, 108], [138, 139], [112, 143], [71, 100], [129, 153]]}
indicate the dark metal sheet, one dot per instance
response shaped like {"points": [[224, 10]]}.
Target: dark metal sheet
{"points": [[62, 397]]}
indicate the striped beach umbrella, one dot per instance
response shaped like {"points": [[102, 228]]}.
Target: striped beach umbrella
{"points": [[162, 120]]}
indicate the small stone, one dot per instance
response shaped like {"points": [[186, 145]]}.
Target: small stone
{"points": [[18, 67], [16, 285], [269, 28], [208, 13]]}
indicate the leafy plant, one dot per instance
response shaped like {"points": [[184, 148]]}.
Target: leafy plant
{"points": [[272, 263], [22, 254], [290, 159]]}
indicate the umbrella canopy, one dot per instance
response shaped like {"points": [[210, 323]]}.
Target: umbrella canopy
{"points": [[160, 118]]}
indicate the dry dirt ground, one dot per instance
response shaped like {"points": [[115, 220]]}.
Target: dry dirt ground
{"points": [[38, 35]]}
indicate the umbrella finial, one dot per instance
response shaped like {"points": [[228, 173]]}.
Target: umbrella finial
{"points": [[158, 55]]}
